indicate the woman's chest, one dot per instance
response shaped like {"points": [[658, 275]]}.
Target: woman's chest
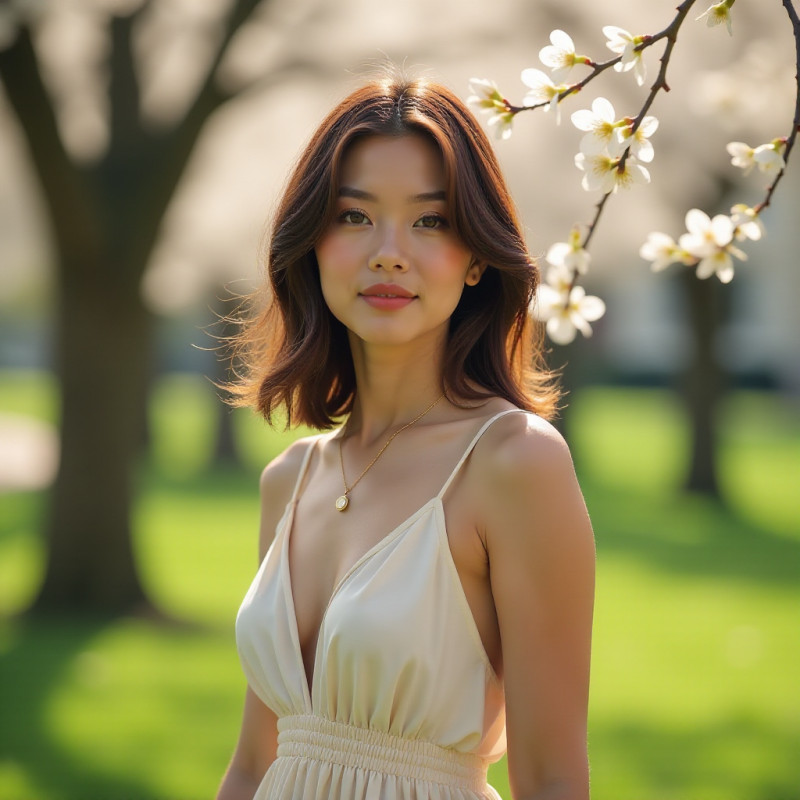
{"points": [[420, 564]]}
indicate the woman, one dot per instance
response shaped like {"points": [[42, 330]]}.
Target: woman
{"points": [[426, 578]]}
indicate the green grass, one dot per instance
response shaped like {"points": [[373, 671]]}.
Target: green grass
{"points": [[694, 686]]}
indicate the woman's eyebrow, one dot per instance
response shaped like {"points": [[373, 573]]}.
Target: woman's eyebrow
{"points": [[357, 194], [422, 197], [427, 197]]}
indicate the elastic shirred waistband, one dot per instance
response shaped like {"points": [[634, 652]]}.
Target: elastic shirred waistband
{"points": [[314, 737]]}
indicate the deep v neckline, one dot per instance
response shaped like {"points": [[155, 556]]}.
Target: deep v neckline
{"points": [[398, 530], [436, 500]]}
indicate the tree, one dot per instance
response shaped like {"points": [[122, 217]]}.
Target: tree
{"points": [[105, 215]]}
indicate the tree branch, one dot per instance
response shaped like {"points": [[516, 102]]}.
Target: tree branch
{"points": [[670, 32], [660, 83], [64, 195], [169, 151], [125, 128], [792, 137], [211, 95]]}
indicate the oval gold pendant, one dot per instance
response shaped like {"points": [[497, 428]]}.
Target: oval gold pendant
{"points": [[342, 502]]}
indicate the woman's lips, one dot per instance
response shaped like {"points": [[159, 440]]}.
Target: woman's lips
{"points": [[386, 297], [386, 303]]}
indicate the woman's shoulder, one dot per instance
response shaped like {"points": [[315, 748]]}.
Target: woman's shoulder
{"points": [[526, 487], [515, 440], [276, 486], [521, 454], [280, 475]]}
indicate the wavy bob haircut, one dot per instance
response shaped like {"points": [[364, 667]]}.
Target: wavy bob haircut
{"points": [[293, 353]]}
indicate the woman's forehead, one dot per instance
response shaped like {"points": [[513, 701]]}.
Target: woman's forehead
{"points": [[410, 164]]}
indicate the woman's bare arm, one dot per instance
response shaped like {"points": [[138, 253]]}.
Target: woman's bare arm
{"points": [[257, 745], [542, 559], [255, 751]]}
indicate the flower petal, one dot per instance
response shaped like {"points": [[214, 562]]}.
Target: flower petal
{"points": [[603, 109], [697, 221], [535, 78], [562, 40], [560, 329], [591, 308], [722, 229], [706, 268], [558, 253], [583, 120], [725, 273], [648, 127]]}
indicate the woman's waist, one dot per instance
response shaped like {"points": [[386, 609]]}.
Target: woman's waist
{"points": [[315, 737]]}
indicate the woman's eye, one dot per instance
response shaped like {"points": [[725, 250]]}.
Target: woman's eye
{"points": [[431, 221], [353, 217]]}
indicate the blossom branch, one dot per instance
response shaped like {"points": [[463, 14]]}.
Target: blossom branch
{"points": [[597, 69], [670, 33], [612, 154], [790, 139], [648, 40], [591, 227]]}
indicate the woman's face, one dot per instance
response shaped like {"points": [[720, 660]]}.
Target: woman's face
{"points": [[392, 270]]}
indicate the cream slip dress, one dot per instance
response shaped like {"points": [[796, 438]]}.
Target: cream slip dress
{"points": [[404, 704]]}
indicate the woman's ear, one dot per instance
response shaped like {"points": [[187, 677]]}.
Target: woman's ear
{"points": [[474, 273]]}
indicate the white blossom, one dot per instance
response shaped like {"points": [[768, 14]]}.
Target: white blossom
{"points": [[570, 255], [639, 142], [599, 122], [705, 234], [565, 309], [542, 90], [624, 44], [602, 168], [719, 263], [486, 99], [741, 155], [717, 14], [710, 241], [767, 157], [502, 124], [560, 55], [746, 222], [662, 250]]}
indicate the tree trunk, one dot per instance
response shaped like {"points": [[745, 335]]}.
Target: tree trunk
{"points": [[703, 382], [105, 220], [103, 351]]}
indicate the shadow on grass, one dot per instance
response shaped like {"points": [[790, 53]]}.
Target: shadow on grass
{"points": [[689, 535], [35, 657], [736, 757]]}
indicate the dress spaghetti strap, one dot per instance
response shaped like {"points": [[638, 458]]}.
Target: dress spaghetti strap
{"points": [[304, 467], [472, 444]]}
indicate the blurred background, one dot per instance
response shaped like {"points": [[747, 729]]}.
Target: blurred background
{"points": [[143, 146]]}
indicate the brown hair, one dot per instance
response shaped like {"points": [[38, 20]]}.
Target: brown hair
{"points": [[295, 353]]}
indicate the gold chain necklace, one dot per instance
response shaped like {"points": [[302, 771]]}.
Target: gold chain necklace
{"points": [[343, 501]]}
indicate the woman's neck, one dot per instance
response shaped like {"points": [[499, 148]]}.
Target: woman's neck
{"points": [[393, 386]]}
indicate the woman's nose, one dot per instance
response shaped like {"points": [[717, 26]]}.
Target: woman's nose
{"points": [[389, 253]]}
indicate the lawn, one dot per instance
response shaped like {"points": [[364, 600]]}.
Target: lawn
{"points": [[695, 692]]}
